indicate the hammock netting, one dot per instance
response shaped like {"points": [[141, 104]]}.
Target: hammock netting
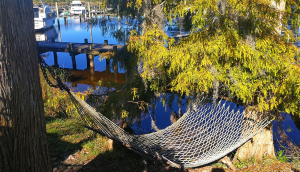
{"points": [[205, 133]]}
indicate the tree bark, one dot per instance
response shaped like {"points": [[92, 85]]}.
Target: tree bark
{"points": [[23, 142], [261, 145], [153, 15]]}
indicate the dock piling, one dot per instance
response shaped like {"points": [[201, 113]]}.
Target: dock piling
{"points": [[91, 57], [72, 54], [87, 55], [115, 48], [66, 20], [107, 60], [89, 7], [55, 55], [58, 23], [115, 63], [55, 59], [57, 14]]}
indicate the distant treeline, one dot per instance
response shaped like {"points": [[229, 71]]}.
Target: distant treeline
{"points": [[63, 2]]}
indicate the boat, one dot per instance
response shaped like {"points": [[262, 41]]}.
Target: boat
{"points": [[77, 8], [109, 8], [44, 18]]}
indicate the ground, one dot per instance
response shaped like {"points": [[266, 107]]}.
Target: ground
{"points": [[75, 148]]}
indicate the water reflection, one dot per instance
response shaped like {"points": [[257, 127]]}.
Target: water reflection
{"points": [[91, 77], [296, 119], [132, 104], [46, 35]]}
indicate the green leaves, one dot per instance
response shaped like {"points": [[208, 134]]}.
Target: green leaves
{"points": [[281, 157]]}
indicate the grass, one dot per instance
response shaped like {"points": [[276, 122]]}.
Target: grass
{"points": [[65, 132], [76, 148], [72, 144], [219, 165], [66, 135], [266, 164], [242, 164]]}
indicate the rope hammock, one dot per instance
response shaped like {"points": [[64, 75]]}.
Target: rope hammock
{"points": [[205, 133]]}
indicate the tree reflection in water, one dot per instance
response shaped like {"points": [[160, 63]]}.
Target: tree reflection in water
{"points": [[124, 97]]}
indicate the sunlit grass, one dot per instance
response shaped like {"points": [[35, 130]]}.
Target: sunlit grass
{"points": [[219, 165], [68, 136], [266, 164], [92, 149], [65, 132]]}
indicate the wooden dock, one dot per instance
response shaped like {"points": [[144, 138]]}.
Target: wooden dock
{"points": [[77, 48], [90, 49]]}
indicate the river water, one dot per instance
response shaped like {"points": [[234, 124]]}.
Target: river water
{"points": [[162, 107]]}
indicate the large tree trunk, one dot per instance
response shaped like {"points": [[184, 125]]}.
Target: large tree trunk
{"points": [[256, 148], [23, 142]]}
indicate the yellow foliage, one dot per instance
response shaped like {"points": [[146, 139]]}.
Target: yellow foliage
{"points": [[56, 102], [124, 114], [134, 91], [138, 4], [261, 72]]}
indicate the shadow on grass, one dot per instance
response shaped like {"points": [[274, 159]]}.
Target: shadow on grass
{"points": [[60, 149], [118, 159], [121, 159]]}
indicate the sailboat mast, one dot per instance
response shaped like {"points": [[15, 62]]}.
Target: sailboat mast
{"points": [[43, 4]]}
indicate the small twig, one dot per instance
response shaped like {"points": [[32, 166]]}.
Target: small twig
{"points": [[134, 102], [291, 157], [158, 5]]}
